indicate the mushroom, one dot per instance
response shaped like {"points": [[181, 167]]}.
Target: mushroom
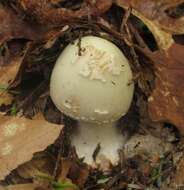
{"points": [[93, 84]]}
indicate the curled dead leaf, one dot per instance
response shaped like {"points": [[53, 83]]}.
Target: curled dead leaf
{"points": [[20, 138], [166, 102], [156, 11], [139, 9]]}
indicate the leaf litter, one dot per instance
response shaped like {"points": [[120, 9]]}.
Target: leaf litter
{"points": [[32, 35]]}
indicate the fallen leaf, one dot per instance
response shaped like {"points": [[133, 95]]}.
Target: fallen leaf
{"points": [[145, 144], [5, 98], [166, 102], [41, 162], [20, 138], [178, 179], [30, 186], [73, 171], [48, 15], [8, 74], [139, 9], [156, 11], [8, 71], [14, 27]]}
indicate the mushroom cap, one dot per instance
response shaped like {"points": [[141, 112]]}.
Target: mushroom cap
{"points": [[93, 85]]}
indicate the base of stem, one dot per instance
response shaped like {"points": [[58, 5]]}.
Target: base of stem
{"points": [[89, 136]]}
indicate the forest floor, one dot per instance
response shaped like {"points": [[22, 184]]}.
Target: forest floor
{"points": [[35, 148]]}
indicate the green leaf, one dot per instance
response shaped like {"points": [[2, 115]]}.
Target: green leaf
{"points": [[45, 176], [57, 185], [103, 180], [3, 87], [63, 185], [13, 110]]}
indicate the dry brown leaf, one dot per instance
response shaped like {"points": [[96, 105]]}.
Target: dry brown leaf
{"points": [[75, 172], [48, 15], [163, 38], [20, 138], [42, 162], [8, 73], [30, 186], [5, 98], [166, 102], [14, 27], [156, 11]]}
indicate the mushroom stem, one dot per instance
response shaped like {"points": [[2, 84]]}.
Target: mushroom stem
{"points": [[88, 136]]}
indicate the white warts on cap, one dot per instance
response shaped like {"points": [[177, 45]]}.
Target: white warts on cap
{"points": [[103, 112], [94, 63]]}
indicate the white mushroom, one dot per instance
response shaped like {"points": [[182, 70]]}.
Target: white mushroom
{"points": [[94, 87]]}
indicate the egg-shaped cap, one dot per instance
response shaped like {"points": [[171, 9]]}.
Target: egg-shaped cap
{"points": [[93, 85]]}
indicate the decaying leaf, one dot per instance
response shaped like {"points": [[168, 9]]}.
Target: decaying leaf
{"points": [[178, 179], [166, 102], [20, 138], [139, 8], [8, 73], [46, 14], [14, 27], [5, 98], [156, 11], [146, 144], [30, 186], [72, 170], [41, 163]]}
